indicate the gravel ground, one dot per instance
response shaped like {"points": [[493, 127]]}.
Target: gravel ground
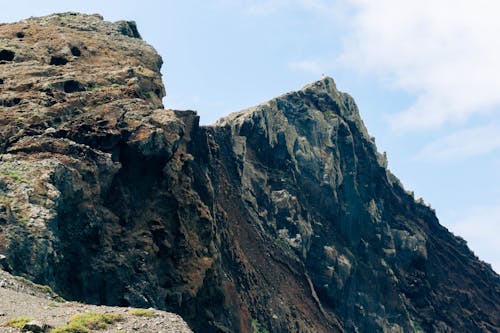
{"points": [[21, 298]]}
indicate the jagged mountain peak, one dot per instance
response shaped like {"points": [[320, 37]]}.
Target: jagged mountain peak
{"points": [[321, 95], [326, 87]]}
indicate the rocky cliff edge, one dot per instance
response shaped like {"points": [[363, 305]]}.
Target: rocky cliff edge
{"points": [[282, 217]]}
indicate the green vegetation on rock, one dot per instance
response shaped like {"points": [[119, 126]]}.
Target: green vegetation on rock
{"points": [[18, 322], [83, 322], [43, 288], [14, 171], [142, 313], [258, 328]]}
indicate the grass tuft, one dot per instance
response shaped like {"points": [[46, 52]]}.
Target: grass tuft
{"points": [[18, 322], [142, 313], [83, 322], [70, 329]]}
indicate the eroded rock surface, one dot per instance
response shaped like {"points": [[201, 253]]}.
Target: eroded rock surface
{"points": [[282, 216]]}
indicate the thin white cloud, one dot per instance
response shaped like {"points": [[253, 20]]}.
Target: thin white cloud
{"points": [[267, 7], [445, 52], [464, 144], [480, 226]]}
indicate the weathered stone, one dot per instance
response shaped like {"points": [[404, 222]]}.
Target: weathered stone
{"points": [[282, 216], [4, 265], [36, 326]]}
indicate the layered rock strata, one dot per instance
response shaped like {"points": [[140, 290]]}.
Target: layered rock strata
{"points": [[281, 217]]}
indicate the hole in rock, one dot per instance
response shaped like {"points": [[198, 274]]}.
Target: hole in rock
{"points": [[71, 86], [10, 102], [58, 61], [20, 34], [1, 81], [75, 51], [7, 55]]}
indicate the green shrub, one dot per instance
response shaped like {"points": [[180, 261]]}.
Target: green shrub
{"points": [[18, 322], [70, 329], [14, 174], [24, 219], [82, 322], [258, 328], [145, 95], [59, 299], [112, 79], [97, 88], [142, 313], [329, 114]]}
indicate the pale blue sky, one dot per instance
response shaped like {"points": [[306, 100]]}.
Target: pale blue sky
{"points": [[425, 75]]}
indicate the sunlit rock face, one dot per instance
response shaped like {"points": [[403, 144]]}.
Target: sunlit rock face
{"points": [[281, 217]]}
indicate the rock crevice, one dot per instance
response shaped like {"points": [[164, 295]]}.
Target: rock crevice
{"points": [[283, 216]]}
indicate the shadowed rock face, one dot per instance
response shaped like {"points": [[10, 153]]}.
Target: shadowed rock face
{"points": [[282, 216]]}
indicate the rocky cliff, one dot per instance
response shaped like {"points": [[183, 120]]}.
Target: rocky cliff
{"points": [[282, 217]]}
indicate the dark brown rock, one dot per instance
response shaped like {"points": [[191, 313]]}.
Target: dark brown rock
{"points": [[36, 326], [283, 216]]}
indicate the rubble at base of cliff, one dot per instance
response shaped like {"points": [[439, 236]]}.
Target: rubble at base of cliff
{"points": [[29, 307]]}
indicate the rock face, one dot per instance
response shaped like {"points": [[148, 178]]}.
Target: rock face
{"points": [[281, 217]]}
